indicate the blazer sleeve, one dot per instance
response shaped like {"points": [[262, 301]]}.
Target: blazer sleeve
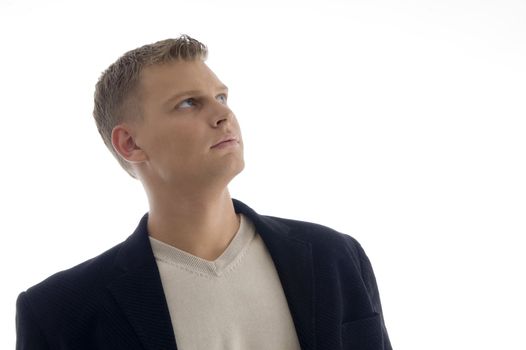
{"points": [[372, 289], [29, 335]]}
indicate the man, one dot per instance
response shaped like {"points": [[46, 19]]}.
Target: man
{"points": [[201, 271]]}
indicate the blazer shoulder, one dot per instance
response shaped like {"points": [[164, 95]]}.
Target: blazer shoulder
{"points": [[320, 236], [75, 283], [314, 234]]}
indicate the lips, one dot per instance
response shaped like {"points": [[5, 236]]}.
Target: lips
{"points": [[226, 141]]}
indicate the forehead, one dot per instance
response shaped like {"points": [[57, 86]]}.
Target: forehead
{"points": [[175, 77]]}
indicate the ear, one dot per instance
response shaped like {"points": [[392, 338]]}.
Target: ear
{"points": [[123, 142]]}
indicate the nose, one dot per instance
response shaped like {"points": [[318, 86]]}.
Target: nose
{"points": [[221, 114]]}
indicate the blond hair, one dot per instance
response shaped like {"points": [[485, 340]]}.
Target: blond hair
{"points": [[116, 97]]}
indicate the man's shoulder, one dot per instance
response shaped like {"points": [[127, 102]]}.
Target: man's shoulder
{"points": [[320, 237], [71, 298], [77, 281], [98, 271], [323, 239]]}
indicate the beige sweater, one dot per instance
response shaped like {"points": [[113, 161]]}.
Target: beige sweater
{"points": [[233, 303]]}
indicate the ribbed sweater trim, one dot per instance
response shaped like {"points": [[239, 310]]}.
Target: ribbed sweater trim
{"points": [[227, 261]]}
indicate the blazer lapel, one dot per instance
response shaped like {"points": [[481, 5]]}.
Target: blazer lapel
{"points": [[293, 260], [138, 291]]}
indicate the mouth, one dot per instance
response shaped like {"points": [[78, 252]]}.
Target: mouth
{"points": [[226, 142]]}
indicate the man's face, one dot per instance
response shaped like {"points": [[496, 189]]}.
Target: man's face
{"points": [[188, 133]]}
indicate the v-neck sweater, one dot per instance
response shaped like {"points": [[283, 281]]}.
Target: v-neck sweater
{"points": [[235, 302]]}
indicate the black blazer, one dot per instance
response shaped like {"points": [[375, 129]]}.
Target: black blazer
{"points": [[116, 300]]}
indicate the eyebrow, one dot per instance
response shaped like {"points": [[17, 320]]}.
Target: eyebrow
{"points": [[191, 92]]}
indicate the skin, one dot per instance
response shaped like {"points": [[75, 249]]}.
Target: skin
{"points": [[176, 152]]}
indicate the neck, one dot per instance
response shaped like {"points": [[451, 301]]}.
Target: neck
{"points": [[202, 225]]}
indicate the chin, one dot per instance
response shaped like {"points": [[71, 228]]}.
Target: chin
{"points": [[234, 169], [226, 168], [241, 168], [237, 167]]}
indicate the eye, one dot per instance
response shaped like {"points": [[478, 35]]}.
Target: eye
{"points": [[222, 98], [189, 102]]}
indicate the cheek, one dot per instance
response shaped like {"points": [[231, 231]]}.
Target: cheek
{"points": [[181, 140]]}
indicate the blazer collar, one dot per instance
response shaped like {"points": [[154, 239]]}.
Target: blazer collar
{"points": [[139, 292]]}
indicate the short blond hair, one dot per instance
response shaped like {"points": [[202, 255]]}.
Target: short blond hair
{"points": [[116, 97]]}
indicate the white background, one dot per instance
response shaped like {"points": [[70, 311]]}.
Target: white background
{"points": [[401, 123]]}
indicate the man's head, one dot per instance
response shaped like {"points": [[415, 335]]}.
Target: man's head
{"points": [[160, 109]]}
